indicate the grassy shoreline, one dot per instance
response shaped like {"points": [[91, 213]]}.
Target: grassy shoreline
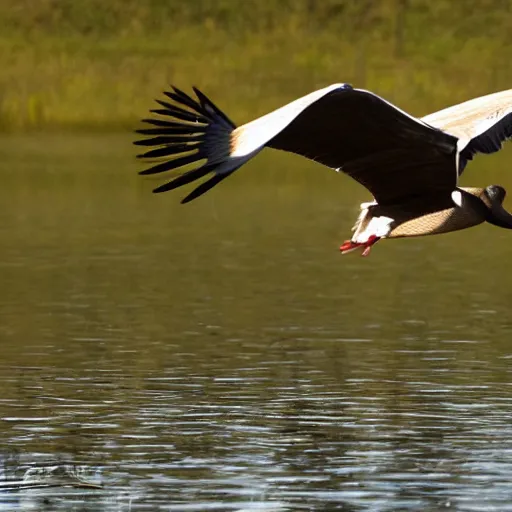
{"points": [[59, 74]]}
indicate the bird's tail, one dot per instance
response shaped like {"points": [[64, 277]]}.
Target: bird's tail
{"points": [[196, 130]]}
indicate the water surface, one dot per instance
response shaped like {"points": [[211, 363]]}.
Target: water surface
{"points": [[224, 356]]}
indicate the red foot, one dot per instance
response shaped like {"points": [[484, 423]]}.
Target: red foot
{"points": [[349, 246]]}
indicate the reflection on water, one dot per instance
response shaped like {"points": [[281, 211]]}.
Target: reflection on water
{"points": [[224, 356]]}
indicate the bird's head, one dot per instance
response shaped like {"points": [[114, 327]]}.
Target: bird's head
{"points": [[487, 202], [495, 193]]}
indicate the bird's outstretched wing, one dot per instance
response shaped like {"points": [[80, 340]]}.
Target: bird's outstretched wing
{"points": [[388, 151], [482, 124], [385, 149]]}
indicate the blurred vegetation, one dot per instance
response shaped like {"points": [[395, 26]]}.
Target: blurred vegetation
{"points": [[97, 64]]}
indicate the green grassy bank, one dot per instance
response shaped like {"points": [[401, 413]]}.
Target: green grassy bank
{"points": [[91, 64]]}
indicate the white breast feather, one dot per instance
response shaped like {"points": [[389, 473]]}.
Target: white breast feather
{"points": [[378, 226]]}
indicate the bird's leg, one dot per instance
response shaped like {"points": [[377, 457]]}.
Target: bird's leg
{"points": [[349, 245], [372, 240]]}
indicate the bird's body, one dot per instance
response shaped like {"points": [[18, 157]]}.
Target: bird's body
{"points": [[411, 166]]}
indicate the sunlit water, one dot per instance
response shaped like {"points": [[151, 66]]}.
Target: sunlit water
{"points": [[224, 356]]}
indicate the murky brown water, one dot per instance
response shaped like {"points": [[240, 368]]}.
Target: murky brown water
{"points": [[224, 356]]}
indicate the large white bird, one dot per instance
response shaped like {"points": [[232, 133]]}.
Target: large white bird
{"points": [[411, 166]]}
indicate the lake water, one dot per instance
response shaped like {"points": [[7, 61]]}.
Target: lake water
{"points": [[224, 356]]}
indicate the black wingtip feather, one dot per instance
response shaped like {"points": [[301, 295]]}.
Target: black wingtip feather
{"points": [[191, 136], [187, 101], [207, 102], [185, 128], [182, 94], [184, 179], [204, 187], [169, 139], [176, 126], [179, 113], [171, 164], [177, 149], [181, 137]]}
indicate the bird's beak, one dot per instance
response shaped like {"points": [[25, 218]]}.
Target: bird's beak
{"points": [[499, 216]]}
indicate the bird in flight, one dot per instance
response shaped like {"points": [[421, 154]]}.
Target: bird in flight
{"points": [[410, 165]]}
